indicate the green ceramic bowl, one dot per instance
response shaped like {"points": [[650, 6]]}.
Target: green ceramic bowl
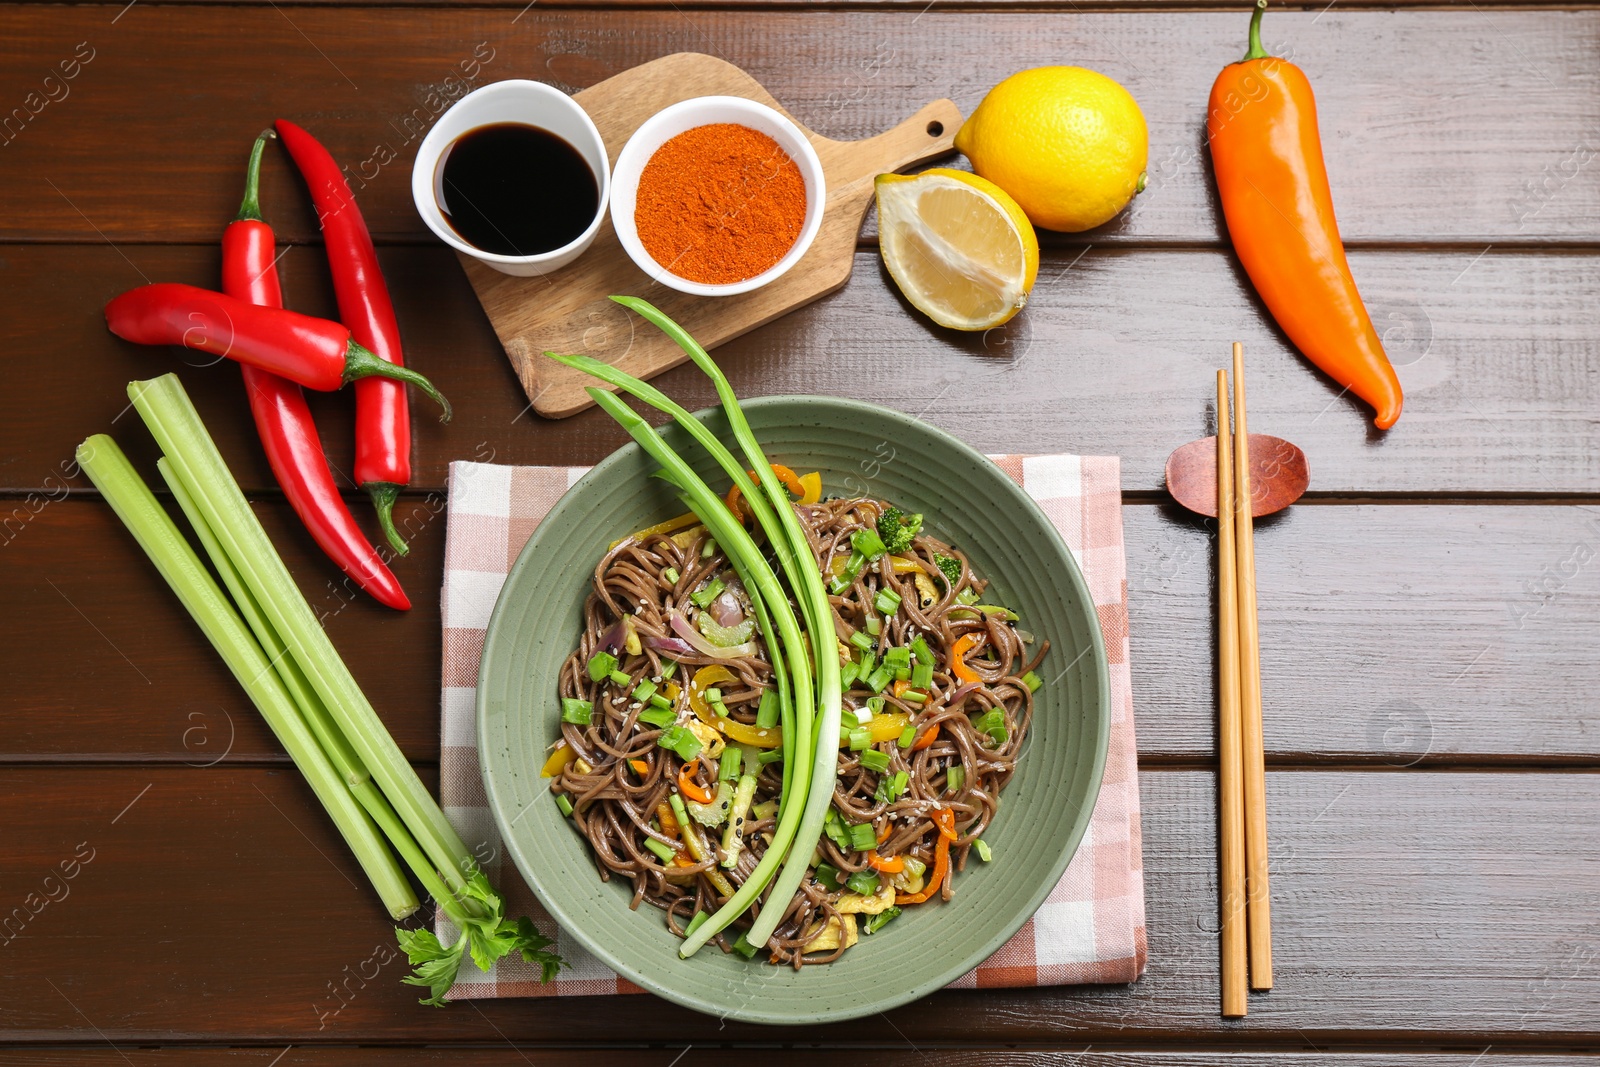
{"points": [[968, 502]]}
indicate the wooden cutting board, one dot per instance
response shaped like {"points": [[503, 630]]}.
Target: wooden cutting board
{"points": [[568, 311]]}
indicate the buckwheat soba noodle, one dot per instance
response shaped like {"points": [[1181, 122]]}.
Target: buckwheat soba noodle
{"points": [[670, 757]]}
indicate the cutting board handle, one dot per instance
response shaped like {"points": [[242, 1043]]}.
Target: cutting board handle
{"points": [[928, 134]]}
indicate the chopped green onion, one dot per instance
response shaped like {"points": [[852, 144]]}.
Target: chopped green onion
{"points": [[708, 592], [922, 676], [695, 923], [601, 664], [874, 624], [709, 549], [713, 695], [770, 755], [954, 779], [860, 738], [993, 723], [678, 809], [660, 702], [920, 649], [865, 664], [663, 852], [847, 675], [907, 736], [662, 717], [880, 678], [744, 948], [1033, 681], [671, 575], [728, 769], [680, 740], [621, 679], [767, 710], [577, 712], [914, 696], [564, 804], [875, 704], [669, 667], [828, 876], [877, 922], [902, 674], [981, 847], [868, 543], [892, 787], [861, 640], [863, 882], [897, 657], [836, 831], [863, 838], [644, 691], [887, 601], [874, 760]]}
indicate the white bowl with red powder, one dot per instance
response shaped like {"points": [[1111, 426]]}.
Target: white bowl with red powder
{"points": [[717, 196]]}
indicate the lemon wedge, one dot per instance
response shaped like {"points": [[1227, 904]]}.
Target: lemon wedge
{"points": [[961, 250]]}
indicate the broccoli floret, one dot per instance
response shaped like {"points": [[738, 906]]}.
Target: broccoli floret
{"points": [[896, 529], [949, 565]]}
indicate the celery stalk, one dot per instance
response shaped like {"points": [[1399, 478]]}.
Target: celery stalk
{"points": [[194, 459], [312, 710], [153, 528]]}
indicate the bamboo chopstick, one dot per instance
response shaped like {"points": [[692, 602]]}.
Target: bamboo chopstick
{"points": [[1259, 909], [1230, 806]]}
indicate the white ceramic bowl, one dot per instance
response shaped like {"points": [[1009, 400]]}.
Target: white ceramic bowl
{"points": [[516, 100], [703, 111]]}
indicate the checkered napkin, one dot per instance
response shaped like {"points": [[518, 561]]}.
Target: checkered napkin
{"points": [[1091, 926]]}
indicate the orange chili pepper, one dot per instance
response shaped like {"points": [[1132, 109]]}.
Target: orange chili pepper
{"points": [[945, 820], [886, 864], [958, 665], [926, 739], [900, 686], [1262, 126], [691, 788], [669, 821], [640, 767], [790, 480]]}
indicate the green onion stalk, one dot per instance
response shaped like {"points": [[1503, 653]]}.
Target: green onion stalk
{"points": [[815, 733], [742, 549]]}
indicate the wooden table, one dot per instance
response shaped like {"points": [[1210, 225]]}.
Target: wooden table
{"points": [[1428, 612]]}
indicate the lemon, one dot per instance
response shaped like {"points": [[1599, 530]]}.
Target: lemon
{"points": [[959, 248], [1069, 144]]}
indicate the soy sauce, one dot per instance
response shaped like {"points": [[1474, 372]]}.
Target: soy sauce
{"points": [[516, 190]]}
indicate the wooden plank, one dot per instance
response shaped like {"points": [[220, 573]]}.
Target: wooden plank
{"points": [[1390, 635], [514, 1056], [1436, 908], [1499, 354], [1465, 125]]}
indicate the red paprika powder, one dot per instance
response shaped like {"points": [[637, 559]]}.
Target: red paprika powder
{"points": [[720, 204]]}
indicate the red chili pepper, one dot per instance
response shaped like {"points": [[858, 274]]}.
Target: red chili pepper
{"points": [[316, 353], [288, 434], [383, 416]]}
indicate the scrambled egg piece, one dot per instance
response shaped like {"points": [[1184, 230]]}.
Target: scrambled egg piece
{"points": [[828, 940], [708, 736], [856, 904]]}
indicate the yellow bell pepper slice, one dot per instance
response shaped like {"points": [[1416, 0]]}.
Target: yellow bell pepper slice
{"points": [[668, 527], [812, 484], [563, 755], [885, 727], [714, 675], [903, 565]]}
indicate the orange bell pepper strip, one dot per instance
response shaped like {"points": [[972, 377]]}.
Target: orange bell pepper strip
{"points": [[1262, 126], [790, 480], [926, 739], [945, 820], [958, 664], [691, 788], [886, 864]]}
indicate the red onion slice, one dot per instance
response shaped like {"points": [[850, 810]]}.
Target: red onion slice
{"points": [[683, 629], [670, 645]]}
